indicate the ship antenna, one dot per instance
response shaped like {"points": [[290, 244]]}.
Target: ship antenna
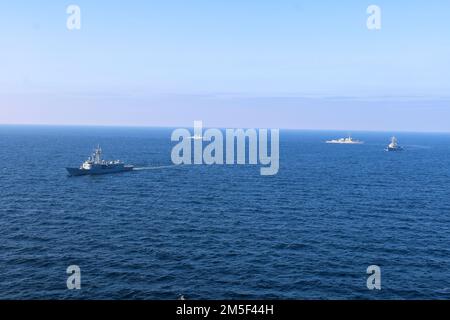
{"points": [[97, 154]]}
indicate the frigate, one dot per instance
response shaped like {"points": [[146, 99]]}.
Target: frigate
{"points": [[95, 165], [348, 140], [393, 146]]}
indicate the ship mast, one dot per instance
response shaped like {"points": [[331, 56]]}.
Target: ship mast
{"points": [[98, 155], [394, 141]]}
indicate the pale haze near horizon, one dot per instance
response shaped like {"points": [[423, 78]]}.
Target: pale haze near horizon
{"points": [[279, 64]]}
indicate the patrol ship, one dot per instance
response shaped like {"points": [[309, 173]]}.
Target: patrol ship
{"points": [[95, 165], [393, 146], [348, 140]]}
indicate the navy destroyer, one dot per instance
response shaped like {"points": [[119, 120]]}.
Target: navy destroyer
{"points": [[393, 146], [95, 165], [348, 140]]}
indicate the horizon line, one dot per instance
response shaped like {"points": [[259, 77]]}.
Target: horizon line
{"points": [[205, 128]]}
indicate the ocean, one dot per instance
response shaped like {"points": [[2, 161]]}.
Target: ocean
{"points": [[223, 232]]}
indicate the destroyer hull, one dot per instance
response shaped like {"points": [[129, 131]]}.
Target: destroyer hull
{"points": [[97, 171], [337, 142], [389, 149]]}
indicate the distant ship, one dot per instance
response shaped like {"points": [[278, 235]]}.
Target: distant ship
{"points": [[348, 140], [393, 146], [95, 166], [197, 137]]}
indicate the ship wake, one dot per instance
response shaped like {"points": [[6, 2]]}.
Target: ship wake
{"points": [[156, 167]]}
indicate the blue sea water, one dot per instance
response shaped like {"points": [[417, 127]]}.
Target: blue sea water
{"points": [[223, 232]]}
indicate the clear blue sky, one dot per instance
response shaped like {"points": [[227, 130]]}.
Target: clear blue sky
{"points": [[232, 63]]}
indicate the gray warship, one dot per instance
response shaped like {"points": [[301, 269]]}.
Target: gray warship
{"points": [[95, 165], [393, 146]]}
